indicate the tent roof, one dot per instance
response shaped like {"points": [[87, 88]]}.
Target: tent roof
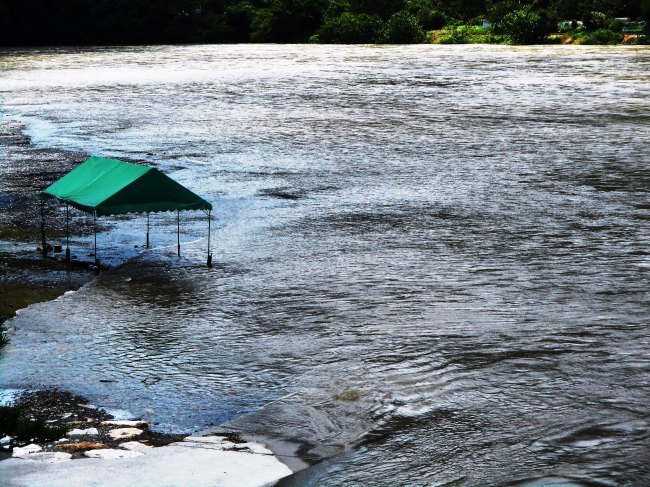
{"points": [[112, 187]]}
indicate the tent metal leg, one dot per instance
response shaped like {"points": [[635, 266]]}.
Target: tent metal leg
{"points": [[43, 241], [67, 234], [209, 254], [147, 230], [95, 235], [178, 232]]}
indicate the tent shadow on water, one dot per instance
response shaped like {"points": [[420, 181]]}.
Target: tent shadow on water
{"points": [[102, 187]]}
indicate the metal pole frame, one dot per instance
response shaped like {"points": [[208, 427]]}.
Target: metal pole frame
{"points": [[43, 240], [147, 245], [209, 233], [178, 232], [67, 233], [95, 235]]}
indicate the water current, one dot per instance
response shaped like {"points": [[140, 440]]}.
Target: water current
{"points": [[432, 260]]}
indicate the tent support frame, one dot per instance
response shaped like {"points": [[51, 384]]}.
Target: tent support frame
{"points": [[97, 263], [67, 234], [43, 240], [178, 232], [95, 236], [209, 233]]}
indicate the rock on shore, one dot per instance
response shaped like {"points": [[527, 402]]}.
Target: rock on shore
{"points": [[112, 456]]}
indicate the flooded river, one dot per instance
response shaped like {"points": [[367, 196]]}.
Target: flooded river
{"points": [[434, 261]]}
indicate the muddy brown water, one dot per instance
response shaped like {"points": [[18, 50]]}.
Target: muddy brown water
{"points": [[434, 260]]}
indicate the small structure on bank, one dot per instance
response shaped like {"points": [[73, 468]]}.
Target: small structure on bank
{"points": [[102, 187]]}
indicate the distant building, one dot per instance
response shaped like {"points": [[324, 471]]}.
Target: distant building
{"points": [[632, 27]]}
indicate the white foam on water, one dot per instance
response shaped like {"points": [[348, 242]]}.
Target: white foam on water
{"points": [[40, 131], [120, 414]]}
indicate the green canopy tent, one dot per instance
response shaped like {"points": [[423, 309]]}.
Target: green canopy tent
{"points": [[102, 187]]}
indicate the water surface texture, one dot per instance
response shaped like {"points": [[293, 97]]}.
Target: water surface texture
{"points": [[435, 259]]}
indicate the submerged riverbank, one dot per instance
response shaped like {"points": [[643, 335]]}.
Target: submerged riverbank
{"points": [[43, 430], [26, 277]]}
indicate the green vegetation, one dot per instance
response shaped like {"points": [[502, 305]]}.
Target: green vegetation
{"points": [[601, 36], [524, 26], [467, 34], [78, 22]]}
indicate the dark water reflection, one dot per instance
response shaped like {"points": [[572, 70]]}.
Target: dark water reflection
{"points": [[456, 235]]}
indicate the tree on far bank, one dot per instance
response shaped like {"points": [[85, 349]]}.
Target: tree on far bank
{"points": [[526, 25], [350, 28], [401, 28], [120, 22]]}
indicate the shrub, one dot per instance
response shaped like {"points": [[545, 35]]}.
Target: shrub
{"points": [[401, 28], [602, 37], [614, 25], [496, 10], [523, 26], [349, 28], [469, 34], [454, 35]]}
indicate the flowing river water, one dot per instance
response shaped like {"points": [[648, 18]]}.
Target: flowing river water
{"points": [[433, 260]]}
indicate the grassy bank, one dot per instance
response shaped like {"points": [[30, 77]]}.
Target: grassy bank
{"points": [[476, 34], [18, 295]]}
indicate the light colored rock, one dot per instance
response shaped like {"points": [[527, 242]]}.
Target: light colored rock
{"points": [[124, 433], [49, 457], [209, 442], [5, 440], [207, 439], [256, 448], [125, 423], [172, 466], [25, 451], [135, 445], [112, 454], [86, 432], [221, 443]]}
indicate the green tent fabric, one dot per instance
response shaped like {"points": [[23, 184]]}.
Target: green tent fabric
{"points": [[111, 187]]}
